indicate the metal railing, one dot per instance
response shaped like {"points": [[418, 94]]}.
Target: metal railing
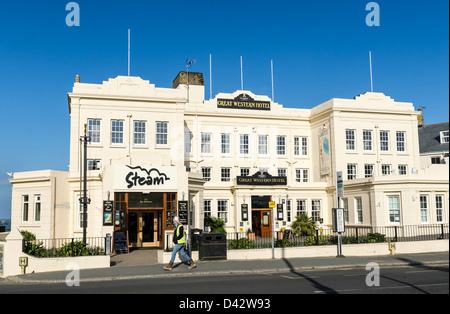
{"points": [[64, 247], [242, 240]]}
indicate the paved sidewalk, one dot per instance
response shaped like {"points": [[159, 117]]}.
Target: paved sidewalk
{"points": [[220, 268]]}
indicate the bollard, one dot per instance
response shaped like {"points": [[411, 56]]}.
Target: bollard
{"points": [[23, 263], [391, 246]]}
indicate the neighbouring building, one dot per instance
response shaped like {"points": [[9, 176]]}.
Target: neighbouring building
{"points": [[153, 148]]}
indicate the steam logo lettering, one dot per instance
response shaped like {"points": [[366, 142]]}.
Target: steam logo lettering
{"points": [[151, 177]]}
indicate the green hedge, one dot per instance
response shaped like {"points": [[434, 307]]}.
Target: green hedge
{"points": [[75, 248]]}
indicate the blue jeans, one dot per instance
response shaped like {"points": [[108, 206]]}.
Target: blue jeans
{"points": [[179, 247]]}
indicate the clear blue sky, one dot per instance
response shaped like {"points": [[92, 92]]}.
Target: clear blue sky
{"points": [[319, 49]]}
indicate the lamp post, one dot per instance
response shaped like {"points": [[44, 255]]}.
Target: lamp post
{"points": [[84, 200]]}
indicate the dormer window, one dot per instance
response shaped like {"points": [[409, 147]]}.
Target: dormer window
{"points": [[444, 137]]}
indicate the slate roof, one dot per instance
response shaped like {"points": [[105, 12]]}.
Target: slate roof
{"points": [[430, 139]]}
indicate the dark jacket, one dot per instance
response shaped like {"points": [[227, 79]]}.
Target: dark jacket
{"points": [[175, 237]]}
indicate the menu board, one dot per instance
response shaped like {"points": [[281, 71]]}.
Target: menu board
{"points": [[121, 241]]}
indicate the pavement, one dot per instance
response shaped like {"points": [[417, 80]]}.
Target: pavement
{"points": [[141, 264]]}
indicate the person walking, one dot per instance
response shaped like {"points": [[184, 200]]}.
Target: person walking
{"points": [[179, 239]]}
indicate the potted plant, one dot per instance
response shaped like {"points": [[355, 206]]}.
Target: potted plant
{"points": [[216, 225], [250, 234]]}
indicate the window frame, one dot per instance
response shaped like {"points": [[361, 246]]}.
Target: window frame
{"points": [[25, 208], [301, 203], [263, 146], [443, 137], [221, 211], [224, 171], [281, 145], [424, 211], [206, 173], [289, 210], [160, 127], [316, 210], [394, 212], [225, 143], [187, 141], [367, 168], [301, 175], [94, 131], [205, 142], [384, 141], [359, 217], [353, 174], [402, 169], [244, 171], [244, 144], [350, 140], [139, 136], [37, 207], [207, 208], [301, 148], [386, 169], [117, 132], [280, 172], [401, 142], [440, 210], [368, 140]]}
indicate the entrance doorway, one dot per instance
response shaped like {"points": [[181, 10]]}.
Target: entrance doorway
{"points": [[135, 212], [261, 225], [261, 216], [144, 228]]}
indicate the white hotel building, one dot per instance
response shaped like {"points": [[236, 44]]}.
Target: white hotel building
{"points": [[229, 156]]}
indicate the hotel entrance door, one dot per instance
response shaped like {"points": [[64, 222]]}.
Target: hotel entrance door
{"points": [[261, 216], [144, 228], [261, 223]]}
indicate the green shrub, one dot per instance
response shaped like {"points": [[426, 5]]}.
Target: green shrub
{"points": [[375, 238], [216, 224], [283, 243], [76, 248], [312, 240], [242, 243]]}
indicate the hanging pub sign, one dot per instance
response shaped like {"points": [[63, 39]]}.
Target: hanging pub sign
{"points": [[261, 178], [280, 211], [244, 212], [183, 209], [243, 101], [108, 213]]}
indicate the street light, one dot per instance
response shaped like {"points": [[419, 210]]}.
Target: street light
{"points": [[84, 200]]}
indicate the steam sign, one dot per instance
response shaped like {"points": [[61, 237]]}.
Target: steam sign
{"points": [[142, 178]]}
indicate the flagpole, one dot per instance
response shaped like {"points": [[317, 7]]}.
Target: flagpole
{"points": [[128, 52], [242, 77], [271, 74], [371, 81], [210, 77]]}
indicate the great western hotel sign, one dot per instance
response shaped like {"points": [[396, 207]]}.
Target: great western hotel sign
{"points": [[145, 178], [261, 178], [243, 101]]}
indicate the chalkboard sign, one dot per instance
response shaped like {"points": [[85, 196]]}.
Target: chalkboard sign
{"points": [[287, 234], [121, 241]]}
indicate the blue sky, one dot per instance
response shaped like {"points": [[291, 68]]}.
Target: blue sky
{"points": [[320, 51]]}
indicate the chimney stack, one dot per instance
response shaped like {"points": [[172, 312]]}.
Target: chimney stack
{"points": [[420, 119]]}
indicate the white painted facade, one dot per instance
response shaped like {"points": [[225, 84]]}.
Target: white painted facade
{"points": [[203, 148]]}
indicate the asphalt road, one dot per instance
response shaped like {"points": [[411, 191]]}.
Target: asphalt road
{"points": [[390, 280]]}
